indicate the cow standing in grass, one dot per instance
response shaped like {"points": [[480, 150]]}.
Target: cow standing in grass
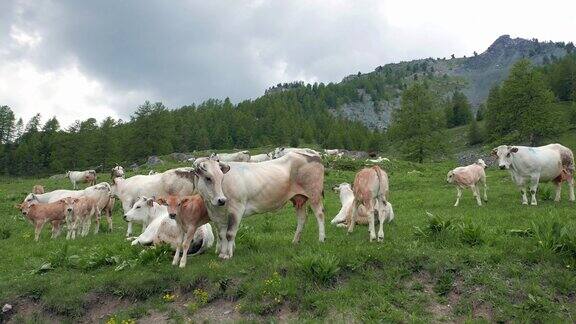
{"points": [[88, 176], [529, 166], [40, 214], [233, 191], [468, 177], [371, 191]]}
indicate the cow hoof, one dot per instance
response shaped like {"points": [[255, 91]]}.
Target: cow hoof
{"points": [[182, 265], [224, 256], [381, 239]]}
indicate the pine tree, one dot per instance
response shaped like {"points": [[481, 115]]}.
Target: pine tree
{"points": [[474, 134], [418, 124]]}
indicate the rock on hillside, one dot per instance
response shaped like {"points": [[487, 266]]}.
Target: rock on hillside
{"points": [[473, 75]]}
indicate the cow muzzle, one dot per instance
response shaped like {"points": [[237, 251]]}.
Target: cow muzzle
{"points": [[502, 167], [221, 201], [125, 218], [172, 216]]}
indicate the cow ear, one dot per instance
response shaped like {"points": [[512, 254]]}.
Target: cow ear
{"points": [[150, 202], [18, 206], [494, 152], [161, 201], [224, 167], [514, 150]]}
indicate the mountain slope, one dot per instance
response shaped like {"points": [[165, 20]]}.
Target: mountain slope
{"points": [[377, 93]]}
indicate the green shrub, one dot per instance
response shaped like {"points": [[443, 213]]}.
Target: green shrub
{"points": [[471, 234], [318, 268], [434, 226]]}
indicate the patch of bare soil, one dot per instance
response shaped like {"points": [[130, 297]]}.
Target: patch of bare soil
{"points": [[24, 309], [218, 311], [100, 307], [154, 317], [441, 312]]}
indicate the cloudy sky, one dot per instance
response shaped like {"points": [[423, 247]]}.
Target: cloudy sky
{"points": [[80, 59]]}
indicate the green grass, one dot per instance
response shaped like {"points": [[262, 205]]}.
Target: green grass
{"points": [[500, 262]]}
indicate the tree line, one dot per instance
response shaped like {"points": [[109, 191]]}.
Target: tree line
{"points": [[284, 118]]}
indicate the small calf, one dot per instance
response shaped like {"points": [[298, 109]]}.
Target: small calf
{"points": [[38, 189], [84, 209], [39, 214], [468, 177], [190, 213]]}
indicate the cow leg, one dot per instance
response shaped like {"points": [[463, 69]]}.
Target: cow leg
{"points": [[299, 202], [371, 210], [353, 216], [176, 258], [38, 229], [126, 206], [318, 209], [483, 181], [109, 215], [381, 219], [570, 182], [476, 194], [533, 189], [55, 229], [222, 226], [97, 228], [188, 237], [231, 230], [558, 185], [458, 195]]}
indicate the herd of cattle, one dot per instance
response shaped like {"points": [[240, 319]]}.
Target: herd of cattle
{"points": [[177, 206]]}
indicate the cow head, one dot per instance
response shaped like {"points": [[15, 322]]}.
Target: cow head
{"points": [[278, 152], [210, 174], [174, 204], [140, 211], [504, 154], [68, 203], [25, 207], [340, 187], [117, 172], [481, 163], [31, 198]]}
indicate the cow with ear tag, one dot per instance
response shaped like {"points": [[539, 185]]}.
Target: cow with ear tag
{"points": [[235, 190], [529, 166]]}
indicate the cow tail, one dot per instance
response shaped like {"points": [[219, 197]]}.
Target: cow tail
{"points": [[379, 175]]}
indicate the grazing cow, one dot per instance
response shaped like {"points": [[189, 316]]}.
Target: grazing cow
{"points": [[236, 190], [370, 190], [100, 192], [190, 214], [39, 214], [84, 208], [160, 184], [243, 156], [281, 151], [260, 158], [88, 176], [163, 229], [531, 165], [469, 177], [38, 189], [117, 172]]}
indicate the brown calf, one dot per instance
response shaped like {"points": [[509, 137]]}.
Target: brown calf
{"points": [[84, 209], [38, 189], [371, 191], [40, 214], [190, 213]]}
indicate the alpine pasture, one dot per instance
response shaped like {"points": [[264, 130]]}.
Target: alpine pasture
{"points": [[499, 262]]}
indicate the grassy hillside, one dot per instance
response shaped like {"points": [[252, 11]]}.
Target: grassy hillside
{"points": [[499, 262]]}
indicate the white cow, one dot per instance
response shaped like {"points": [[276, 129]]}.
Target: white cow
{"points": [[88, 176], [163, 229], [236, 190], [379, 160], [281, 151], [159, 184], [346, 199], [243, 156], [531, 165], [468, 177], [260, 158], [101, 193]]}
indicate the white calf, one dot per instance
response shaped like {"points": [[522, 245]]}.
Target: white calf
{"points": [[469, 177]]}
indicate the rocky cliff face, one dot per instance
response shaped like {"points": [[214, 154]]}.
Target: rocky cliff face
{"points": [[473, 75]]}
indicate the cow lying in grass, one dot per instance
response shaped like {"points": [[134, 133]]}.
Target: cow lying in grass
{"points": [[344, 216], [468, 177], [39, 214], [163, 229]]}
